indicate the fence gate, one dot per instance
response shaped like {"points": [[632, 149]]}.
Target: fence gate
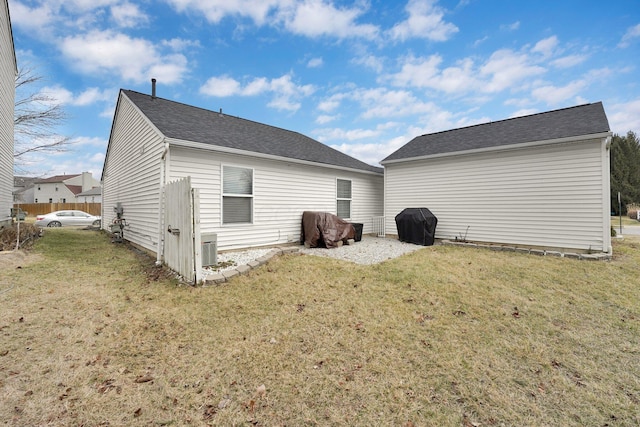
{"points": [[182, 229]]}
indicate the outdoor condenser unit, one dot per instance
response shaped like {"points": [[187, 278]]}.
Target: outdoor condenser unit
{"points": [[209, 249]]}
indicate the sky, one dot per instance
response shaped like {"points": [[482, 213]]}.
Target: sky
{"points": [[363, 76]]}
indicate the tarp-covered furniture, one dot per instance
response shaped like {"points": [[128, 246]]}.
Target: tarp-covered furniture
{"points": [[322, 229], [416, 225]]}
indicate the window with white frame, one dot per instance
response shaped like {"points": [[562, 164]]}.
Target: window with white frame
{"points": [[343, 198], [237, 195]]}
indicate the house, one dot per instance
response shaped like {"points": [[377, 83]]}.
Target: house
{"points": [[537, 181], [8, 72], [93, 195], [254, 180], [63, 188]]}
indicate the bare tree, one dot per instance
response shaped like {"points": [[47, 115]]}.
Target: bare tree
{"points": [[35, 119]]}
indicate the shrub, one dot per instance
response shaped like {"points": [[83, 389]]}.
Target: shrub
{"points": [[632, 210], [8, 236]]}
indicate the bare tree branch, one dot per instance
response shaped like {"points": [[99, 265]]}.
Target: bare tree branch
{"points": [[36, 117]]}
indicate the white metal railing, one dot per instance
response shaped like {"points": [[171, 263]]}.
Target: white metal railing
{"points": [[378, 226]]}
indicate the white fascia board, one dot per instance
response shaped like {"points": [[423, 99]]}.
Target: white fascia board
{"points": [[502, 147], [228, 150]]}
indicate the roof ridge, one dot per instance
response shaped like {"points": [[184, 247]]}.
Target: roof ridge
{"points": [[216, 112], [511, 118]]}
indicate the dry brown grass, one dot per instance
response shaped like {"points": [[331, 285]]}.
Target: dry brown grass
{"points": [[444, 336]]}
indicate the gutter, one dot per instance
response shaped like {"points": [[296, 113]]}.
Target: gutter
{"points": [[163, 161]]}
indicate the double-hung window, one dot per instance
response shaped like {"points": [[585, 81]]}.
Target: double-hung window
{"points": [[343, 198], [237, 195]]}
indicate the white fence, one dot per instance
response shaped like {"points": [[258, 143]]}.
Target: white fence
{"points": [[182, 229], [378, 226]]}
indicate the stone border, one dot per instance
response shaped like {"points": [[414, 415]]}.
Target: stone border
{"points": [[542, 252], [225, 276]]}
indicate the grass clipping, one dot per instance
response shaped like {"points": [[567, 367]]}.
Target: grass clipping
{"points": [[444, 336]]}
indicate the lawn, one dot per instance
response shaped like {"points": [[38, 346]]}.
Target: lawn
{"points": [[91, 334]]}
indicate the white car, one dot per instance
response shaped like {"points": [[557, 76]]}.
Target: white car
{"points": [[67, 218]]}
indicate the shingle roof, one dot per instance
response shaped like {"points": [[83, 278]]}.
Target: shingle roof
{"points": [[95, 191], [585, 119], [75, 189], [56, 178], [189, 123]]}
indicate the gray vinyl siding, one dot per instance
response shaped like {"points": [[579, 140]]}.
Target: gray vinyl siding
{"points": [[7, 98], [282, 191], [131, 175], [554, 196]]}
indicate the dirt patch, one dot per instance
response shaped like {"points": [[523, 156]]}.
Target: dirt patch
{"points": [[10, 260]]}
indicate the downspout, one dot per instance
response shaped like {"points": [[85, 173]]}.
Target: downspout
{"points": [[606, 189], [163, 161]]}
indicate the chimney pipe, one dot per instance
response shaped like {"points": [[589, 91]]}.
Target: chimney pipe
{"points": [[153, 88]]}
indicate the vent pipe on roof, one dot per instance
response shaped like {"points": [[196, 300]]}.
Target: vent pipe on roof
{"points": [[221, 112], [153, 88]]}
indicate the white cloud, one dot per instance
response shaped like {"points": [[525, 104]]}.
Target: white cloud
{"points": [[215, 10], [58, 94], [426, 73], [630, 36], [625, 117], [178, 44], [425, 21], [315, 18], [381, 102], [128, 15], [546, 47], [315, 63], [284, 91], [221, 87], [370, 61], [554, 95], [510, 27], [310, 18], [324, 119], [345, 134], [132, 59], [370, 153], [36, 18], [523, 112], [507, 69], [569, 61], [331, 103]]}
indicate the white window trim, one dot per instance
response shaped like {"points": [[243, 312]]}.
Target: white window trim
{"points": [[350, 199], [244, 196]]}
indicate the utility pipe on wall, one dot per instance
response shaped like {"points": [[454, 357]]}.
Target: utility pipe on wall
{"points": [[163, 160]]}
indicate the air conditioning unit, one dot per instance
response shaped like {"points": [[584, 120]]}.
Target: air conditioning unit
{"points": [[209, 249]]}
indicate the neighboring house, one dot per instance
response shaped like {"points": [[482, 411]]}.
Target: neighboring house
{"points": [[23, 189], [254, 180], [90, 196], [536, 181], [8, 72], [63, 188]]}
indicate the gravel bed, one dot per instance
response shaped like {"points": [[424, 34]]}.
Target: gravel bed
{"points": [[370, 250], [231, 260]]}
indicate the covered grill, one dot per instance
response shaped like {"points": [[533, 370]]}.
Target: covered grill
{"points": [[416, 225]]}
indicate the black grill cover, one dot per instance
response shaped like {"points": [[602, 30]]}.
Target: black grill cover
{"points": [[416, 225]]}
